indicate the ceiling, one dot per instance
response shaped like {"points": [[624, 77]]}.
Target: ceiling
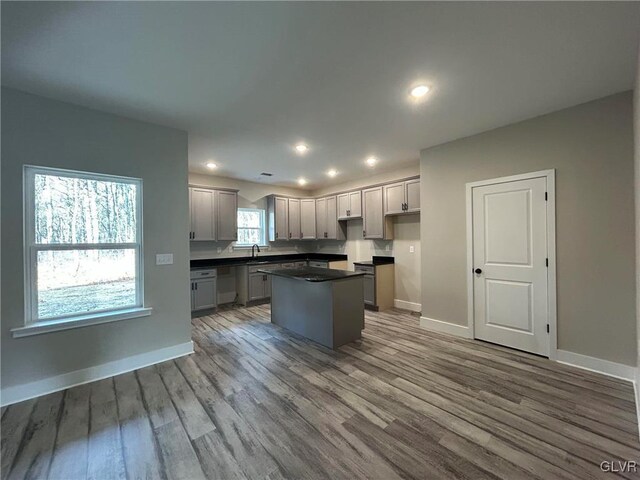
{"points": [[250, 80]]}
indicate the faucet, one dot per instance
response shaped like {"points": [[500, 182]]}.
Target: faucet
{"points": [[255, 245]]}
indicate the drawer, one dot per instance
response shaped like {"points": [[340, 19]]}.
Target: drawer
{"points": [[368, 269], [209, 273]]}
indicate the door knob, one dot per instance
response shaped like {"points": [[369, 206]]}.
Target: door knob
{"points": [[478, 271]]}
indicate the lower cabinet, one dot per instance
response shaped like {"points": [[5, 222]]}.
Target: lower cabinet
{"points": [[203, 290], [259, 286], [379, 285]]}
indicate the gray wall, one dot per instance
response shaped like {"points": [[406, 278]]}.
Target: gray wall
{"points": [[39, 131], [636, 131], [591, 148]]}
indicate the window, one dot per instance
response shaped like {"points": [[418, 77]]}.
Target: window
{"points": [[251, 227], [83, 244]]}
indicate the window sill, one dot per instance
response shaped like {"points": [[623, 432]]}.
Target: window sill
{"points": [[248, 247], [49, 326]]}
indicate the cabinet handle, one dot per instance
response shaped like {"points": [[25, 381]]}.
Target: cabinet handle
{"points": [[196, 285], [276, 234], [364, 233], [289, 234]]}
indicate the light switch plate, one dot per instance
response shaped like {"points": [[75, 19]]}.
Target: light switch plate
{"points": [[412, 249], [164, 259]]}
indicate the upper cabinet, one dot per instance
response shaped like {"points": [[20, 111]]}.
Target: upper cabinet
{"points": [[202, 208], [402, 197], [327, 225], [349, 205], [227, 215], [278, 208], [213, 214], [375, 225], [308, 219], [294, 219]]}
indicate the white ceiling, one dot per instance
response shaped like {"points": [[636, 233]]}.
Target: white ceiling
{"points": [[249, 80]]}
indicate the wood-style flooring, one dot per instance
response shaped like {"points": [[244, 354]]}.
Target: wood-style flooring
{"points": [[255, 402]]}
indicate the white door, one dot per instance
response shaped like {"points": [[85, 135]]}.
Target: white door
{"points": [[413, 195], [510, 291], [355, 204], [332, 218], [227, 215], [394, 198], [281, 218], [373, 218], [321, 218], [343, 206]]}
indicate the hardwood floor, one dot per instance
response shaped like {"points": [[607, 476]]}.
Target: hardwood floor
{"points": [[257, 402]]}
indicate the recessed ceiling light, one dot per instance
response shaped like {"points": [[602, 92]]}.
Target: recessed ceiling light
{"points": [[301, 148], [302, 181], [371, 161], [211, 166], [332, 173], [419, 91]]}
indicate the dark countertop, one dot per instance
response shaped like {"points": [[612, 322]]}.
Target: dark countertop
{"points": [[377, 261], [311, 274], [236, 261]]}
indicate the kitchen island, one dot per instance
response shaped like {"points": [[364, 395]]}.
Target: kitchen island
{"points": [[323, 305]]}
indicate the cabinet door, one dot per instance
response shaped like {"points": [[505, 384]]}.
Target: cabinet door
{"points": [[332, 218], [321, 218], [373, 217], [267, 286], [202, 218], [369, 289], [307, 219], [394, 198], [281, 218], [227, 215], [204, 294], [257, 286], [294, 219], [343, 206], [413, 195], [355, 204]]}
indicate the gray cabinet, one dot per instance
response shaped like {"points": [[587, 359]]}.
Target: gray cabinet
{"points": [[413, 195], [349, 205], [307, 219], [226, 215], [202, 208], [327, 225], [258, 287], [375, 224], [203, 289], [321, 218], [278, 208], [294, 219], [369, 289], [402, 197], [213, 214]]}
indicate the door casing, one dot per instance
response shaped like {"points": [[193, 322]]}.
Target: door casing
{"points": [[550, 175]]}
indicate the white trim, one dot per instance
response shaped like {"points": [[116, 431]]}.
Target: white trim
{"points": [[445, 327], [636, 394], [48, 326], [404, 305], [552, 313], [605, 367], [30, 248], [26, 391]]}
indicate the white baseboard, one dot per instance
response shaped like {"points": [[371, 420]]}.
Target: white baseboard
{"points": [[411, 306], [612, 369], [26, 391], [445, 327]]}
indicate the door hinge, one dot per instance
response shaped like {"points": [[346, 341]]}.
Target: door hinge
{"points": [[546, 262], [547, 328], [546, 196]]}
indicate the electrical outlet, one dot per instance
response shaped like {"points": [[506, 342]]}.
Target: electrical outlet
{"points": [[218, 250], [387, 248], [164, 259], [412, 249]]}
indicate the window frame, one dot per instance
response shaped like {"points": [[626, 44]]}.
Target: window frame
{"points": [[263, 228], [31, 249]]}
